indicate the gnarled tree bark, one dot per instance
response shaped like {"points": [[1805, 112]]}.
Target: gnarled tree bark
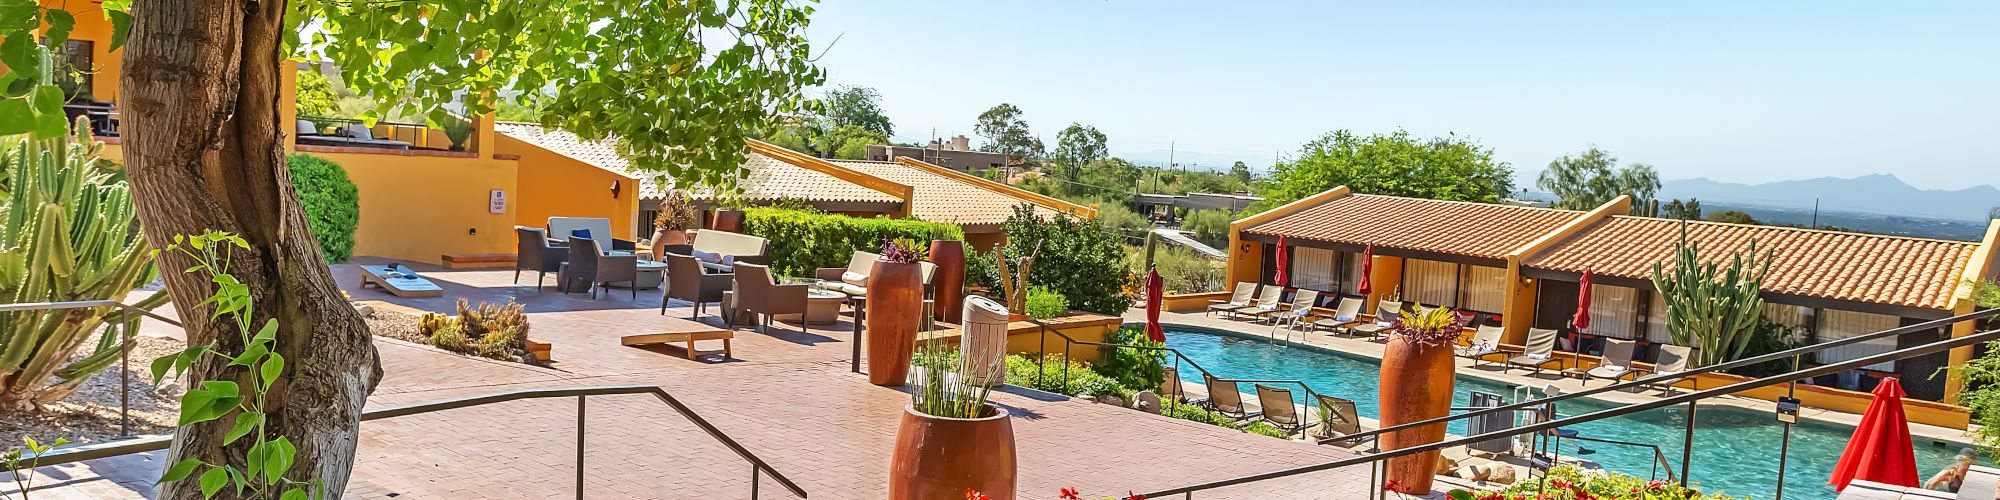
{"points": [[200, 91]]}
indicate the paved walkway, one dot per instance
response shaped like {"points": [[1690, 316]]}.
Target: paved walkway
{"points": [[788, 397]]}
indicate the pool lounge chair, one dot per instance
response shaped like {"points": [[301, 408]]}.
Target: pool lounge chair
{"points": [[1302, 306], [1345, 314], [1238, 299], [1275, 405], [1386, 314], [1338, 417], [1485, 343], [1267, 301], [1616, 364], [1672, 359], [1170, 385], [1224, 398], [1539, 352]]}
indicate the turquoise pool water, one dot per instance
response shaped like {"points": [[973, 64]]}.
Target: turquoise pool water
{"points": [[1736, 450]]}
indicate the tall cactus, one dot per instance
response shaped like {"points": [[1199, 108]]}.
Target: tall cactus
{"points": [[68, 231], [1716, 313]]}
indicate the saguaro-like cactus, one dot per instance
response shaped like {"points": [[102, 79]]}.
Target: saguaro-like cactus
{"points": [[1713, 310], [67, 232]]}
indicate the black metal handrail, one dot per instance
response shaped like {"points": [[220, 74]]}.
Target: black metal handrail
{"points": [[1689, 399], [1040, 362], [757, 465]]}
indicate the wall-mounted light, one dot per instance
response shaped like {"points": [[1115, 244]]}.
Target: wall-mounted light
{"points": [[616, 185]]}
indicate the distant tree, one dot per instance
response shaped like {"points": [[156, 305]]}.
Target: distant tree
{"points": [[314, 94], [847, 142], [1585, 181], [1240, 171], [1444, 168], [1077, 145], [850, 105], [1006, 132], [523, 109], [1995, 213], [1732, 217], [1209, 226], [1683, 210]]}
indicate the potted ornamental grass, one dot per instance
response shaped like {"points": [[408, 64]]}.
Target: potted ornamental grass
{"points": [[894, 310], [677, 215], [950, 439], [1416, 379]]}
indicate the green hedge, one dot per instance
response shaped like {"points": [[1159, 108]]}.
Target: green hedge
{"points": [[331, 203], [804, 241]]}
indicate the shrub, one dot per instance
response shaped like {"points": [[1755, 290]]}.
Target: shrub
{"points": [[490, 331], [1137, 368], [1044, 303], [1209, 226], [1022, 371], [802, 242], [1265, 428], [331, 204], [1078, 259], [1183, 270], [1567, 482]]}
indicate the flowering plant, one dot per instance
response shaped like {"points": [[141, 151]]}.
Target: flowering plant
{"points": [[901, 251], [1065, 494], [1570, 483], [1430, 327]]}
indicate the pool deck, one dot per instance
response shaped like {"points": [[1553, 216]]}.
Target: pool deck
{"points": [[1491, 372]]}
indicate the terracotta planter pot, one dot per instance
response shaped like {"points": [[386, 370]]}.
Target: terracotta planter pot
{"points": [[540, 350], [1415, 386], [938, 458], [948, 279], [895, 309], [727, 220]]}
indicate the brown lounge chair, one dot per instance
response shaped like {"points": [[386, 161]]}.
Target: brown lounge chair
{"points": [[1387, 312], [1275, 405], [1672, 359], [1616, 364], [758, 295], [1224, 398], [1267, 303], [1238, 299], [1485, 343], [1539, 352], [1170, 385], [1345, 314], [1337, 416], [687, 282]]}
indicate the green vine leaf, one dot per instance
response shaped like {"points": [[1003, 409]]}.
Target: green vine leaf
{"points": [[278, 459], [214, 399], [180, 470], [271, 369], [245, 423], [213, 481], [296, 493]]}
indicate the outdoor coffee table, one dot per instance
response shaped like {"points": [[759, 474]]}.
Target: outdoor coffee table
{"points": [[399, 281], [822, 307], [651, 275]]}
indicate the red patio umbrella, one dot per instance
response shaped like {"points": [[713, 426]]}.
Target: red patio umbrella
{"points": [[1880, 450], [1156, 288], [1281, 278], [1581, 319], [1367, 268]]}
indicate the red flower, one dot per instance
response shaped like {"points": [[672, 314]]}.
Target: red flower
{"points": [[1392, 484], [1655, 484], [1134, 496], [972, 494], [1070, 494]]}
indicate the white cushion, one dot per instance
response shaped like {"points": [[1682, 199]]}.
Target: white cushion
{"points": [[853, 278], [358, 131], [306, 127], [709, 257], [853, 290]]}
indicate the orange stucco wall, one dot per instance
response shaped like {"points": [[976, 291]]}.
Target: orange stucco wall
{"points": [[554, 185], [421, 208]]}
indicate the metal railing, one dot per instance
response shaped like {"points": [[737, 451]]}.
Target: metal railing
{"points": [[758, 468], [1689, 399], [1071, 342], [126, 331]]}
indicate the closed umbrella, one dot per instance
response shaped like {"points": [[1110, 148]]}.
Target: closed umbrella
{"points": [[1581, 319], [1367, 268], [1880, 450], [1281, 278], [1156, 288]]}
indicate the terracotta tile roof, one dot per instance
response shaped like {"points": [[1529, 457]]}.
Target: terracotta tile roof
{"points": [[944, 199], [1808, 263], [764, 178], [1450, 227]]}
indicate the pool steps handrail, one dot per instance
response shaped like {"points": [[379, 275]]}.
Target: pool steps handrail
{"points": [[1178, 358], [1689, 399]]}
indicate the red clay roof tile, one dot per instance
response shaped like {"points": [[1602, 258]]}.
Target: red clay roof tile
{"points": [[1451, 227]]}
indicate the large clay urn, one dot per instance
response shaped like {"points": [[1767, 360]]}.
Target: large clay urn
{"points": [[1416, 386], [895, 309], [730, 221], [665, 237], [948, 279], [938, 458]]}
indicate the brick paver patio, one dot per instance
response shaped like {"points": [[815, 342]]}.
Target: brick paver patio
{"points": [[788, 397]]}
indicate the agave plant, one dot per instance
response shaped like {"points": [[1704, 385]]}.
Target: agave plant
{"points": [[1713, 309], [68, 232]]}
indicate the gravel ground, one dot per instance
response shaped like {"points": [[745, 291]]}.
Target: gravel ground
{"points": [[91, 413], [395, 325]]}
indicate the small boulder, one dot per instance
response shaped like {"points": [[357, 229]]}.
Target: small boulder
{"points": [[1500, 473], [169, 388]]}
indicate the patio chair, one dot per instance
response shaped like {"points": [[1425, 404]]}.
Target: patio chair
{"points": [[686, 282], [1485, 343], [1538, 353], [1170, 385], [1238, 299], [580, 270], [1267, 303], [1671, 360], [1275, 405], [1224, 398], [613, 269], [1338, 416], [1302, 305], [1345, 314], [758, 294], [1617, 363], [1387, 312], [534, 252]]}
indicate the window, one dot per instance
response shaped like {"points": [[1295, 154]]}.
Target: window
{"points": [[1350, 283], [1312, 268], [1835, 324], [73, 68], [1430, 282], [1614, 311], [1484, 289]]}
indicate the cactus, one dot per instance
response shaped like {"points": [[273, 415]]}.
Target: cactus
{"points": [[68, 232], [1716, 313]]}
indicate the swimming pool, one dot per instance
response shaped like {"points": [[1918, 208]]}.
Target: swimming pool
{"points": [[1735, 449]]}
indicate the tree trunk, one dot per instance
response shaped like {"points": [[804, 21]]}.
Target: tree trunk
{"points": [[202, 145]]}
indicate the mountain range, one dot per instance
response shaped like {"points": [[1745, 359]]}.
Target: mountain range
{"points": [[1879, 193]]}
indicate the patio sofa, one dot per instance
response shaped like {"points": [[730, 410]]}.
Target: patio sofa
{"points": [[599, 229], [853, 279], [740, 247]]}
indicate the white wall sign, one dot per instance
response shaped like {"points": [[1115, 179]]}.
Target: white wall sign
{"points": [[497, 203]]}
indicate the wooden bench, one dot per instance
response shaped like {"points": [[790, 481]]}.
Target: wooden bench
{"points": [[687, 338], [478, 260]]}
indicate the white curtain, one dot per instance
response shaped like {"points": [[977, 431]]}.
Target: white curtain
{"points": [[1431, 282], [1312, 268], [1656, 321], [1788, 315], [1352, 283], [1614, 311], [1835, 324], [1485, 289]]}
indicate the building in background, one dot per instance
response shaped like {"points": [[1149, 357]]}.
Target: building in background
{"points": [[955, 154]]}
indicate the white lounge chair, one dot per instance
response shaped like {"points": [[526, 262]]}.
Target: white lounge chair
{"points": [[1485, 342], [1238, 299], [1616, 364], [1672, 359], [1302, 305], [1387, 312], [1539, 352], [1345, 314], [1266, 303]]}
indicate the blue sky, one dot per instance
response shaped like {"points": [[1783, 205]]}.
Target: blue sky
{"points": [[1734, 91]]}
